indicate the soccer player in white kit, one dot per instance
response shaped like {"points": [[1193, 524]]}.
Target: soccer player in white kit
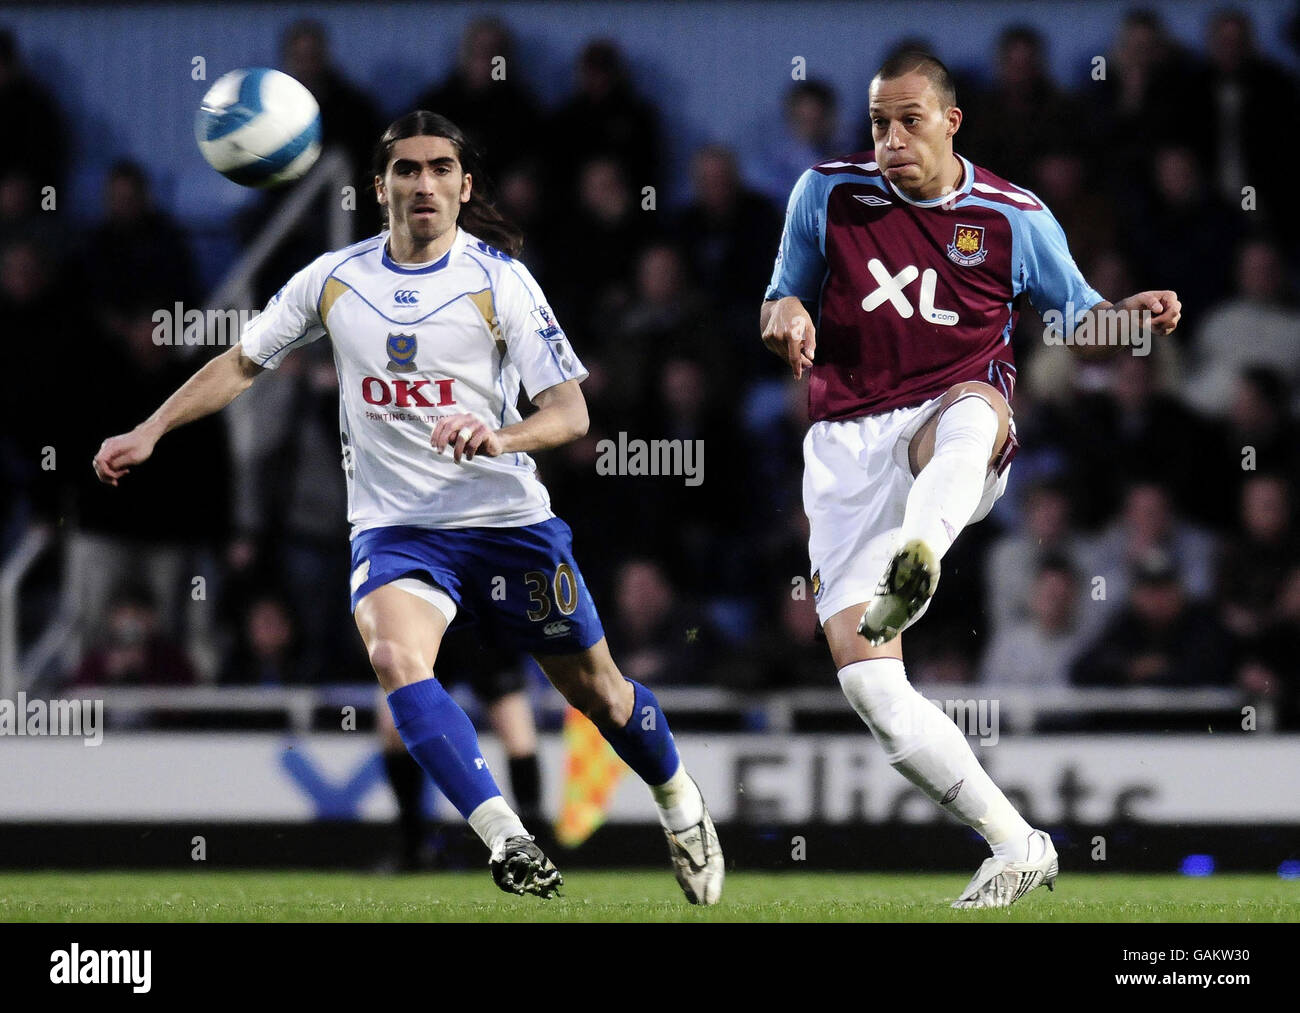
{"points": [[433, 332], [916, 262]]}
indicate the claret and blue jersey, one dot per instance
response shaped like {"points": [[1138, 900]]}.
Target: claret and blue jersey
{"points": [[910, 297]]}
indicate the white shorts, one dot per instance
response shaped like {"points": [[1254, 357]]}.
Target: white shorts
{"points": [[855, 484]]}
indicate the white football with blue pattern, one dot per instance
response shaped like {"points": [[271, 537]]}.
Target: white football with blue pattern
{"points": [[259, 127]]}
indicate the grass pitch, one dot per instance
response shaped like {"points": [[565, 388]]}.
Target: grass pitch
{"points": [[627, 896]]}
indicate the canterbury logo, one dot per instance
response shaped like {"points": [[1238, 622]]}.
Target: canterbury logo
{"points": [[406, 297], [890, 290], [556, 629]]}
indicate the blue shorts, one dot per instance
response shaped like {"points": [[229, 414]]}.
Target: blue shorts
{"points": [[521, 585]]}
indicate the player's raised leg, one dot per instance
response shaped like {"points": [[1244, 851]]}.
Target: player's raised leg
{"points": [[630, 718], [951, 456], [402, 632]]}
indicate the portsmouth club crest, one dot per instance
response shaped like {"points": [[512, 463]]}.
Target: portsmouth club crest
{"points": [[401, 353], [967, 246]]}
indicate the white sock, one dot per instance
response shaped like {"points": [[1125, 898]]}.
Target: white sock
{"points": [[948, 489], [680, 803], [924, 746], [493, 820]]}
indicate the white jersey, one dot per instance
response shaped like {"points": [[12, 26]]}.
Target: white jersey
{"points": [[412, 344]]}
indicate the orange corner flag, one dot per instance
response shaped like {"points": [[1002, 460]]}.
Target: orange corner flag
{"points": [[592, 771]]}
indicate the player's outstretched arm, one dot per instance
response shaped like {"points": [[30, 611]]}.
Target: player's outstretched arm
{"points": [[561, 417], [209, 390], [1163, 305], [788, 332]]}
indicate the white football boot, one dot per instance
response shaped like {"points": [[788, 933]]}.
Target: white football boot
{"points": [[697, 860], [908, 584], [1001, 884]]}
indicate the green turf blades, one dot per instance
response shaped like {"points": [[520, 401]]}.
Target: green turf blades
{"points": [[626, 896]]}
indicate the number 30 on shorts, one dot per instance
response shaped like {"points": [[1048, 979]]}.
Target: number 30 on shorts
{"points": [[562, 588]]}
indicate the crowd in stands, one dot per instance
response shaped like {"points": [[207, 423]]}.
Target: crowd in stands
{"points": [[1149, 536]]}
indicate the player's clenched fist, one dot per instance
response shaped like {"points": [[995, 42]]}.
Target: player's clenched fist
{"points": [[118, 453], [1165, 309], [791, 335], [467, 435]]}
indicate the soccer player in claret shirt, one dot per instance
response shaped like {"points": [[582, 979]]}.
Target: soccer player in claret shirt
{"points": [[433, 332], [914, 262]]}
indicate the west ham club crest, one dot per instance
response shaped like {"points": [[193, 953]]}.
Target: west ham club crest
{"points": [[967, 246]]}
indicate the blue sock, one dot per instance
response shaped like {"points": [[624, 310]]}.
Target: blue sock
{"points": [[443, 741], [644, 743]]}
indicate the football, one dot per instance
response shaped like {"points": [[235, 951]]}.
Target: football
{"points": [[259, 127]]}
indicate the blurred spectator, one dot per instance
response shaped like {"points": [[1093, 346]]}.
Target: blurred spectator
{"points": [[133, 651], [667, 316], [519, 198], [348, 116], [1256, 561], [1259, 434], [1179, 233], [43, 327], [604, 118], [809, 133], [137, 256], [785, 652], [775, 420], [351, 123], [941, 655], [165, 519], [1270, 670], [1159, 638], [1038, 650], [484, 98], [24, 216], [692, 519], [1142, 98], [268, 651], [291, 512], [30, 121], [605, 235], [1008, 126], [1148, 523], [1015, 560], [1258, 326], [1132, 431], [657, 638], [1245, 96], [730, 234]]}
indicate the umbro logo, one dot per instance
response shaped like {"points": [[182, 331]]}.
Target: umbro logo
{"points": [[872, 200], [406, 297]]}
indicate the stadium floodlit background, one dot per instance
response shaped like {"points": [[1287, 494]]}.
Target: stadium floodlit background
{"points": [[1122, 634]]}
